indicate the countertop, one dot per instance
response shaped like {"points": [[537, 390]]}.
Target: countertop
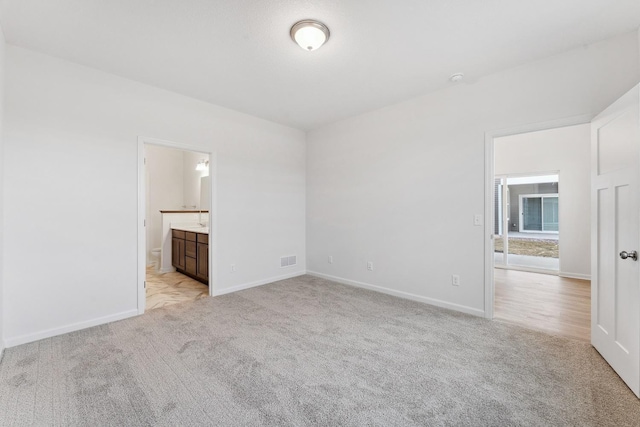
{"points": [[185, 211], [193, 228]]}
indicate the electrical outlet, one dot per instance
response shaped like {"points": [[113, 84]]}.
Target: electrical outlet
{"points": [[455, 280], [370, 265], [330, 260], [477, 219], [233, 268]]}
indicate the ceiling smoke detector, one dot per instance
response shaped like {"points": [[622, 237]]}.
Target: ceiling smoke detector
{"points": [[309, 34], [455, 78]]}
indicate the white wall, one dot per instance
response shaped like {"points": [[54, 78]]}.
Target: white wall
{"points": [[566, 150], [71, 191], [400, 186], [165, 189], [2, 309]]}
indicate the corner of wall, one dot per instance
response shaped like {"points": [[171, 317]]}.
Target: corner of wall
{"points": [[639, 46], [2, 311]]}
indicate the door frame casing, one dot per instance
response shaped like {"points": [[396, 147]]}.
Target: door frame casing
{"points": [[504, 223], [489, 171], [141, 216]]}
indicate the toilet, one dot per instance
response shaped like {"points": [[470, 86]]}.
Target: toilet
{"points": [[155, 256]]}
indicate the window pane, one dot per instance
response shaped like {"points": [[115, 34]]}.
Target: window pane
{"points": [[550, 206], [532, 213]]}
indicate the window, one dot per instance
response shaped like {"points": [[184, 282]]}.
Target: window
{"points": [[539, 213]]}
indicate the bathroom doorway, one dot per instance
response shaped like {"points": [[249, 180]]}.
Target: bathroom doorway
{"points": [[176, 204]]}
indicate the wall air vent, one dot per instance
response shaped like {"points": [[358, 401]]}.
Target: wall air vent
{"points": [[287, 261]]}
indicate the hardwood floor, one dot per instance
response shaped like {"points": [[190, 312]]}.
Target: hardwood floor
{"points": [[172, 288], [552, 304]]}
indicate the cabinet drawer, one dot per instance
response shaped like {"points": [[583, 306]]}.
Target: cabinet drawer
{"points": [[190, 249], [190, 236], [203, 238], [178, 234]]}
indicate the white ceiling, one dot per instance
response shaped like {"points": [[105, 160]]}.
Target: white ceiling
{"points": [[238, 54]]}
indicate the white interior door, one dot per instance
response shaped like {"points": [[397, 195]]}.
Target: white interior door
{"points": [[615, 195]]}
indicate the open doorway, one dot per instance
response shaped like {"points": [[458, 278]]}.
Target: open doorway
{"points": [[539, 240], [175, 207]]}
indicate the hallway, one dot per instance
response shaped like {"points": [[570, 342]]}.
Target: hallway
{"points": [[552, 304]]}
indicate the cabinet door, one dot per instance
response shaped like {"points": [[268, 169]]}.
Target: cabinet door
{"points": [[182, 254], [203, 261], [190, 265], [177, 253]]}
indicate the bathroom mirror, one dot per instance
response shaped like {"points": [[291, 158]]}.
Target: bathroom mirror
{"points": [[205, 193]]}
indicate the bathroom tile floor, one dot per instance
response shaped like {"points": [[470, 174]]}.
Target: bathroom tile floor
{"points": [[172, 288]]}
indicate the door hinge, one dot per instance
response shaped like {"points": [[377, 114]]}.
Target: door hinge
{"points": [[144, 222], [145, 284], [144, 160]]}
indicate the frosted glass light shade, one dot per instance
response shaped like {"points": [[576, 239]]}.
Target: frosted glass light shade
{"points": [[309, 34], [202, 165]]}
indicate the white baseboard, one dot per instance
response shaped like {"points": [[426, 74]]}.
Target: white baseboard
{"points": [[527, 269], [575, 275], [237, 288], [549, 272], [401, 294], [24, 339]]}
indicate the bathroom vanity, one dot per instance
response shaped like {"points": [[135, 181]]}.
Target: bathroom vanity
{"points": [[190, 252]]}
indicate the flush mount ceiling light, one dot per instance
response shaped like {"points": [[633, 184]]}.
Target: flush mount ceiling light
{"points": [[309, 34], [202, 165]]}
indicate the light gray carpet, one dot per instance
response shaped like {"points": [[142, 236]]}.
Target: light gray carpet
{"points": [[306, 351]]}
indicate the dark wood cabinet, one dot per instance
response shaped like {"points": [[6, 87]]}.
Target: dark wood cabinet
{"points": [[203, 261], [190, 249], [190, 254], [178, 252], [190, 266]]}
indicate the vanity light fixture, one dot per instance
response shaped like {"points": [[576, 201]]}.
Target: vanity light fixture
{"points": [[202, 165], [309, 34]]}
